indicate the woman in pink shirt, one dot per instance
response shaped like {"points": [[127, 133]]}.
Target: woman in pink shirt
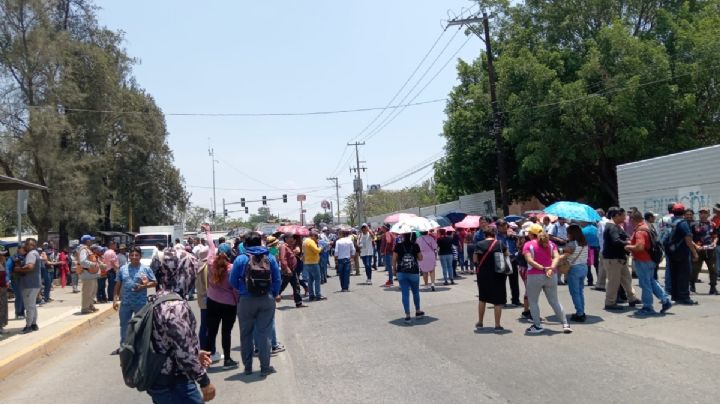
{"points": [[428, 248], [542, 258], [222, 300]]}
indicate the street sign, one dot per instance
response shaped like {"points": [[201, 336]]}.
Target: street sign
{"points": [[301, 198], [325, 205], [22, 201]]}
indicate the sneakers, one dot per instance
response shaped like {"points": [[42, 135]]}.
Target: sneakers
{"points": [[578, 318], [446, 283], [26, 330], [388, 284], [645, 311], [535, 330], [666, 306], [527, 315], [419, 313], [217, 357], [634, 303], [229, 364], [407, 319], [432, 288], [368, 282], [567, 329], [34, 327], [277, 349]]}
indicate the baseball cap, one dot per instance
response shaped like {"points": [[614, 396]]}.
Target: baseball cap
{"points": [[535, 229], [85, 238], [678, 208], [704, 209]]}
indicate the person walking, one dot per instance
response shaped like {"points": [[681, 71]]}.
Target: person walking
{"points": [[311, 265], [445, 253], [90, 267], [30, 283], [542, 258], [256, 277], [365, 242], [222, 301], [615, 261], [639, 246], [130, 293], [576, 253], [491, 284], [428, 249], [405, 261], [388, 248], [344, 253], [288, 263]]}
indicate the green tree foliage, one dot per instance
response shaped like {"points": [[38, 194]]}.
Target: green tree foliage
{"points": [[58, 68], [386, 201], [322, 218], [584, 86]]}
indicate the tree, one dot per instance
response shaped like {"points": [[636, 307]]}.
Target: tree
{"points": [[584, 86], [322, 218], [386, 201]]}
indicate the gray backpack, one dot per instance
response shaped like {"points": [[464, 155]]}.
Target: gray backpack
{"points": [[139, 360]]}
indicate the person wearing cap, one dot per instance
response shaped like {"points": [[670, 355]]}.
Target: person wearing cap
{"points": [[90, 265], [3, 290], [679, 249], [311, 265], [542, 257], [705, 239], [615, 261]]}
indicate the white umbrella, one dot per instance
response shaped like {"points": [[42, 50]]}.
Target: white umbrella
{"points": [[401, 228], [412, 224]]}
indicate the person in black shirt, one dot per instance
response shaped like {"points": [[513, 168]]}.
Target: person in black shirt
{"points": [[405, 262], [491, 285], [615, 261], [445, 253]]}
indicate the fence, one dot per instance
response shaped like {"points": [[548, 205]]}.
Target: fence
{"points": [[482, 203]]}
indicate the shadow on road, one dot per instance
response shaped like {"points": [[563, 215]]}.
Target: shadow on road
{"points": [[437, 289], [424, 320], [491, 330], [240, 376]]}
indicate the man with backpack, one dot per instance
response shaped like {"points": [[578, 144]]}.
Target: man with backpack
{"points": [[256, 276], [642, 246], [679, 248]]}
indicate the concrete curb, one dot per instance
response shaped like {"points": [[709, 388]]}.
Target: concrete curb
{"points": [[46, 347]]}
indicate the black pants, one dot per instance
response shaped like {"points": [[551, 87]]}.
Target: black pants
{"points": [[514, 283], [217, 312], [680, 276], [292, 280]]}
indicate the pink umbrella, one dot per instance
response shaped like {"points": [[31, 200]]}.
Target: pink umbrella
{"points": [[470, 222], [398, 217], [294, 229], [448, 228]]}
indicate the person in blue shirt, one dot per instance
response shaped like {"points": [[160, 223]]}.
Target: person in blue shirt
{"points": [[590, 231], [679, 251], [256, 308]]}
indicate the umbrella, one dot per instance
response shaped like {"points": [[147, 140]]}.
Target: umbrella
{"points": [[573, 211], [401, 228], [398, 217], [441, 220], [470, 222], [295, 229], [455, 217], [448, 228], [513, 218]]}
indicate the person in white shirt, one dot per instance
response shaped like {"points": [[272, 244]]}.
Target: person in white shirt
{"points": [[365, 241], [344, 251]]}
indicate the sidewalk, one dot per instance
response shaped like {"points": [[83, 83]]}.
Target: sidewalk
{"points": [[59, 322]]}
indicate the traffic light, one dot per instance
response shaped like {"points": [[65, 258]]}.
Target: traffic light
{"points": [[242, 202], [247, 210], [284, 198], [264, 199], [212, 214], [225, 212]]}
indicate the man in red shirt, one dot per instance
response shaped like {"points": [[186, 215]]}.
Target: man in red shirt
{"points": [[640, 245], [388, 248]]}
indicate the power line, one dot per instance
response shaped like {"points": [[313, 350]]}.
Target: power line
{"points": [[411, 173], [241, 114]]}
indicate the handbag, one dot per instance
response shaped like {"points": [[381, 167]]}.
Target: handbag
{"points": [[502, 263], [564, 265], [485, 256]]}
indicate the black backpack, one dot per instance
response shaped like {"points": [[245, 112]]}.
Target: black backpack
{"points": [[139, 361], [669, 242], [408, 263], [258, 276]]}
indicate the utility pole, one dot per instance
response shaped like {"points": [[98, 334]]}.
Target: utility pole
{"points": [[211, 152], [497, 120], [337, 195], [357, 183]]}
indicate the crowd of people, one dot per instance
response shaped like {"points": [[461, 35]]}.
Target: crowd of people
{"points": [[243, 280]]}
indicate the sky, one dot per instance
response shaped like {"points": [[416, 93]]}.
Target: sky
{"points": [[230, 57]]}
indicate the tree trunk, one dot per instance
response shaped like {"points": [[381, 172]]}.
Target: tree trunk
{"points": [[107, 223]]}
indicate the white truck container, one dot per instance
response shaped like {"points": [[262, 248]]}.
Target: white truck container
{"points": [[152, 235], [691, 177]]}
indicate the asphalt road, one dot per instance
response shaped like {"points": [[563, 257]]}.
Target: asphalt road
{"points": [[355, 348]]}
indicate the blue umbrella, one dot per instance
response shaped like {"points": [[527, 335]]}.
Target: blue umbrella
{"points": [[455, 217], [441, 220], [513, 218], [573, 211]]}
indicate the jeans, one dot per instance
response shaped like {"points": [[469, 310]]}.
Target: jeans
{"points": [[30, 301], [367, 261], [649, 286], [47, 278], [187, 393], [19, 306], [446, 264], [388, 267], [324, 261], [576, 282], [111, 284], [256, 314], [126, 314], [407, 282], [314, 279], [461, 258], [101, 294], [541, 283], [343, 270]]}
